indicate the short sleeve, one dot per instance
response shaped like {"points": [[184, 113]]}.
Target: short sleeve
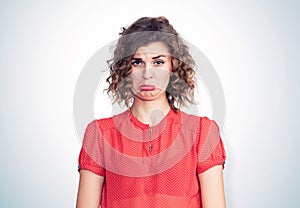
{"points": [[90, 157], [210, 148]]}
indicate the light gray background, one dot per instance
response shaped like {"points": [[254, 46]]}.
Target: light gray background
{"points": [[253, 46]]}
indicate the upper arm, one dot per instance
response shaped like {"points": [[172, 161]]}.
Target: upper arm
{"points": [[89, 190], [212, 188]]}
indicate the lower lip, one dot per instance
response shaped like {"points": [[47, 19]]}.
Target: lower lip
{"points": [[147, 88]]}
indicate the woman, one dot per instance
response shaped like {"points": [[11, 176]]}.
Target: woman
{"points": [[153, 154]]}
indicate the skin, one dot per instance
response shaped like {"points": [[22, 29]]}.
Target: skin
{"points": [[212, 188], [151, 65], [89, 190]]}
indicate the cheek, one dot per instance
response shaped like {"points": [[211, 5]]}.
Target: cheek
{"points": [[135, 75], [163, 78], [135, 79]]}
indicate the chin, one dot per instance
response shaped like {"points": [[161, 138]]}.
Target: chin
{"points": [[150, 96]]}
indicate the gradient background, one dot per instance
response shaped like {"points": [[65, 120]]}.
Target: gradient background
{"points": [[253, 46]]}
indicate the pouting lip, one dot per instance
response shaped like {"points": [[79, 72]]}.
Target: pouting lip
{"points": [[146, 87]]}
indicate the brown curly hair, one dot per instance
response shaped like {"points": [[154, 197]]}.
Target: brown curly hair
{"points": [[142, 32]]}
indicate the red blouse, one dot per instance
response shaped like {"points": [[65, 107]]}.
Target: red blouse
{"points": [[146, 167]]}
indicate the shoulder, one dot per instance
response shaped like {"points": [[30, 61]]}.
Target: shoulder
{"points": [[110, 122], [208, 126], [203, 122]]}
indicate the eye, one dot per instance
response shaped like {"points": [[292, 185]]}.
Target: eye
{"points": [[136, 63], [159, 62]]}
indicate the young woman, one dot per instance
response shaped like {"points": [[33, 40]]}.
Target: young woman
{"points": [[153, 154]]}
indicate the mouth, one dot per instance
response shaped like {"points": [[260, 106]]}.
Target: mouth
{"points": [[146, 87]]}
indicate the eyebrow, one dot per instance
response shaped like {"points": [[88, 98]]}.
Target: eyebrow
{"points": [[136, 59], [155, 57], [158, 56]]}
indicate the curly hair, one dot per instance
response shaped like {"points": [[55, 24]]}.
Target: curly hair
{"points": [[142, 32]]}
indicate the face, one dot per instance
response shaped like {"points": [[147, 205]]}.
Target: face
{"points": [[151, 67]]}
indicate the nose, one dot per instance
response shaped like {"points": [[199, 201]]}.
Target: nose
{"points": [[147, 73]]}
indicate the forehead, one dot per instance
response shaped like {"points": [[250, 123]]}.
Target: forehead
{"points": [[158, 48]]}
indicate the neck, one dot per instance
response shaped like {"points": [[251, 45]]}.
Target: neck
{"points": [[150, 112]]}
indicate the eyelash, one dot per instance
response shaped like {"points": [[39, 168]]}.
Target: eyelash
{"points": [[161, 62], [138, 63]]}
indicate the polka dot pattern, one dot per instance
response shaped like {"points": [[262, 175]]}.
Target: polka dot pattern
{"points": [[176, 186]]}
